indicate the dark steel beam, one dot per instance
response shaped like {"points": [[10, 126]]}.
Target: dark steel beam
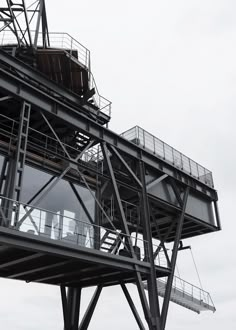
{"points": [[156, 181], [176, 191], [147, 235], [166, 301], [132, 307], [96, 199], [56, 136], [68, 275], [20, 260], [217, 214], [130, 171], [126, 230], [81, 203], [49, 188], [143, 299], [60, 249], [19, 88], [117, 195], [4, 220], [41, 190], [73, 303], [90, 310], [36, 270], [65, 308]]}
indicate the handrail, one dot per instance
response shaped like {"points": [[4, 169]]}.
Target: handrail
{"points": [[196, 293], [169, 154], [82, 234], [64, 41], [49, 144]]}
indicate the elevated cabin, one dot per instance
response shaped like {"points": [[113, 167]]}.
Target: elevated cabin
{"points": [[68, 181]]}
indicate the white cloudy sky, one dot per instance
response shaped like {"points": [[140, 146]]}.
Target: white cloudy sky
{"points": [[168, 66]]}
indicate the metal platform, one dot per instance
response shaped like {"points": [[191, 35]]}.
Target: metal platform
{"points": [[187, 295], [79, 204], [169, 154]]}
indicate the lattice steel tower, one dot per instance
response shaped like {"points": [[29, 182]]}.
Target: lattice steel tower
{"points": [[80, 205]]}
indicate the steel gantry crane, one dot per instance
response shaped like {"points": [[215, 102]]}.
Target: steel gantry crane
{"points": [[80, 205]]}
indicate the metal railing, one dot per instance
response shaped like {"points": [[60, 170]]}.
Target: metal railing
{"points": [[50, 146], [164, 151], [76, 51], [66, 228], [190, 292]]}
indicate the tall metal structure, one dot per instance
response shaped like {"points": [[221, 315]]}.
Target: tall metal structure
{"points": [[80, 205]]}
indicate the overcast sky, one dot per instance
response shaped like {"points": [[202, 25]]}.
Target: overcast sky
{"points": [[169, 67]]}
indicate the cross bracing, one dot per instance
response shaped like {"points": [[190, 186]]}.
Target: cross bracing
{"points": [[109, 235], [80, 205]]}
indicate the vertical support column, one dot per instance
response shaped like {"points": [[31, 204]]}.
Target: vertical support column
{"points": [[147, 235], [15, 169], [97, 233], [71, 307], [173, 261], [217, 215], [3, 175], [74, 296], [65, 308]]}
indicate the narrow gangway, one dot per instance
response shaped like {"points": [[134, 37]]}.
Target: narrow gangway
{"points": [[186, 295]]}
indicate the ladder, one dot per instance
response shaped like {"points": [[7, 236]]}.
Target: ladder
{"points": [[13, 168], [110, 242]]}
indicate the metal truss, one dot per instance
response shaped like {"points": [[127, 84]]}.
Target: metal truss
{"points": [[18, 22], [155, 318], [116, 180]]}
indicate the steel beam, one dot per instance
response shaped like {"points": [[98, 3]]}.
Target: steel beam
{"points": [[36, 270], [49, 188], [90, 310], [19, 88], [60, 249], [147, 235], [65, 308], [116, 194], [20, 260], [173, 261], [73, 304], [56, 136], [156, 181], [71, 307], [81, 203], [126, 230], [132, 307], [217, 215], [130, 171]]}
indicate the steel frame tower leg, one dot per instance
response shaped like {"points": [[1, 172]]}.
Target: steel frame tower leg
{"points": [[132, 306], [71, 307], [147, 235], [90, 310], [166, 301]]}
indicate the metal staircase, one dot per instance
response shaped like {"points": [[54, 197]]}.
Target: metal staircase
{"points": [[110, 242], [186, 295]]}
